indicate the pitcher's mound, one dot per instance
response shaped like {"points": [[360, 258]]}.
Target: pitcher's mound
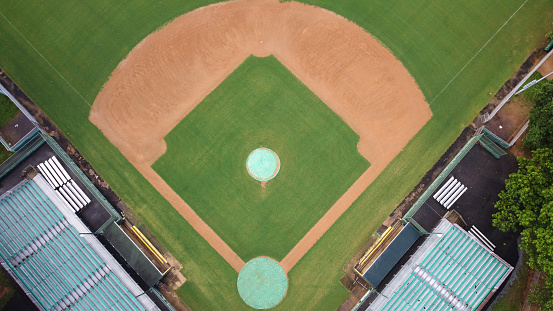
{"points": [[263, 164]]}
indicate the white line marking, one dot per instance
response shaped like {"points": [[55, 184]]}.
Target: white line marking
{"points": [[478, 51], [22, 36]]}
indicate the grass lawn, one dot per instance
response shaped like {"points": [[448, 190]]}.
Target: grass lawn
{"points": [[8, 110], [261, 104], [460, 53], [4, 154]]}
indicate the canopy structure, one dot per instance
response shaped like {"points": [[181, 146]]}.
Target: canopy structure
{"points": [[58, 262], [451, 270]]}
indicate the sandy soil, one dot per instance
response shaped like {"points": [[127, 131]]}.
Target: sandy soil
{"points": [[546, 68], [172, 70], [510, 119]]}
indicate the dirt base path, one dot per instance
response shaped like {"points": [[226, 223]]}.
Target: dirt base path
{"points": [[330, 217], [172, 70], [188, 213]]}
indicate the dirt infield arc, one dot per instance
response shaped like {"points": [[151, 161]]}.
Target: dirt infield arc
{"points": [[173, 69]]}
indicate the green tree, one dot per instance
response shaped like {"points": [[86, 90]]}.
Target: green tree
{"points": [[526, 206], [540, 129]]}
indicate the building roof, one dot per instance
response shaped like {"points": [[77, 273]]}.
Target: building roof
{"points": [[376, 270], [56, 259], [450, 271]]}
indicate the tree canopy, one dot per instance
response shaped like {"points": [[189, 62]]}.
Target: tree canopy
{"points": [[540, 130], [526, 206]]}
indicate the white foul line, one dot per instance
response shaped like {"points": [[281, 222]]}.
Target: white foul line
{"points": [[479, 51], [22, 36]]}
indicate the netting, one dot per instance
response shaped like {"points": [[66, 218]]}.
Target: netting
{"points": [[490, 145], [495, 138]]}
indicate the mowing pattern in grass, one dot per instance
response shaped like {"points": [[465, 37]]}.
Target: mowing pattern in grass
{"points": [[84, 41], [261, 104], [8, 110]]}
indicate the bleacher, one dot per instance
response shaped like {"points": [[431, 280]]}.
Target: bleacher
{"points": [[65, 187], [56, 259], [449, 271]]}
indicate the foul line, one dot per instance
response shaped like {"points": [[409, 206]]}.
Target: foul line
{"points": [[22, 36], [478, 51]]}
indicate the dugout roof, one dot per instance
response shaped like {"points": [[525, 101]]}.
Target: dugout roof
{"points": [[449, 271], [53, 256], [138, 261], [391, 255]]}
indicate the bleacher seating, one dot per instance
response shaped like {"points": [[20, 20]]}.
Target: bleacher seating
{"points": [[451, 270], [52, 259], [65, 187], [450, 192]]}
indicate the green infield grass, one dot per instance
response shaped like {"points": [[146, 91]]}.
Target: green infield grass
{"points": [[460, 53], [261, 104]]}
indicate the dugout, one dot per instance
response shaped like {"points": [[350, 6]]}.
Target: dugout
{"points": [[386, 252], [149, 266]]}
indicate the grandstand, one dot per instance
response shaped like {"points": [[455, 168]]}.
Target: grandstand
{"points": [[447, 267], [56, 259], [450, 270]]}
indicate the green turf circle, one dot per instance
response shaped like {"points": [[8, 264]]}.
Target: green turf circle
{"points": [[262, 283], [263, 164]]}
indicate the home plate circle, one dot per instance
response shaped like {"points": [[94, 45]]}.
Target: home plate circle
{"points": [[262, 283], [263, 164]]}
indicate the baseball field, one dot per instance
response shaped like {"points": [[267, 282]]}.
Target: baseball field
{"points": [[316, 148], [63, 55]]}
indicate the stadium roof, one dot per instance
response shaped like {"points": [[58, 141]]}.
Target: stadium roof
{"points": [[450, 271], [55, 258]]}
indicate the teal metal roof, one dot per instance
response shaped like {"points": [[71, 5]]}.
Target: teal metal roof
{"points": [[451, 272], [53, 262]]}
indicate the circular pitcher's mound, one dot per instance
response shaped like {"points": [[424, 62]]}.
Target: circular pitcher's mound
{"points": [[262, 283], [263, 164]]}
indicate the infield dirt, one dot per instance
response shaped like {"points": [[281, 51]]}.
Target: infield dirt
{"points": [[173, 69]]}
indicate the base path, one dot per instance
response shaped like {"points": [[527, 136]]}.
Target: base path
{"points": [[172, 70], [330, 217], [188, 213]]}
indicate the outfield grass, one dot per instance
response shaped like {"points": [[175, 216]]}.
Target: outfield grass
{"points": [[440, 42], [261, 104]]}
